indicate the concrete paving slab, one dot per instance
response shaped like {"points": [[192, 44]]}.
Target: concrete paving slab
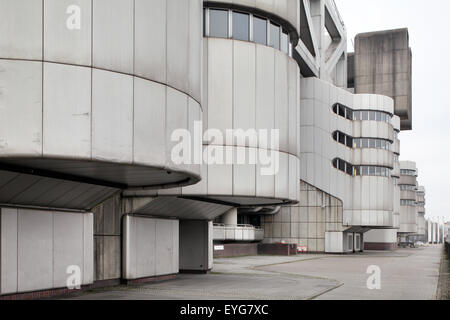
{"points": [[410, 274]]}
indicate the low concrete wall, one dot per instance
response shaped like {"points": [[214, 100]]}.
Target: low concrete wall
{"points": [[380, 246], [150, 247], [236, 250], [37, 247], [277, 249]]}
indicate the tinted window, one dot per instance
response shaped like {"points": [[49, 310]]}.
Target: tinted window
{"points": [[365, 115], [274, 36], [260, 30], [241, 26], [218, 23]]}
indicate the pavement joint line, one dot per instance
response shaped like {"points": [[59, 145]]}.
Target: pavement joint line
{"points": [[325, 292]]}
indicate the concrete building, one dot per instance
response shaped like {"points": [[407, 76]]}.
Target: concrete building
{"points": [[421, 221], [122, 124]]}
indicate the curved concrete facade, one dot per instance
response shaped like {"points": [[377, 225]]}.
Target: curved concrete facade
{"points": [[100, 99], [367, 200], [249, 86]]}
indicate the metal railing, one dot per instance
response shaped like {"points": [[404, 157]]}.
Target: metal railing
{"points": [[241, 232]]}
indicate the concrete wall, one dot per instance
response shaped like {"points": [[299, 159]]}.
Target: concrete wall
{"points": [[196, 246], [111, 92], [37, 247], [383, 66], [150, 247]]}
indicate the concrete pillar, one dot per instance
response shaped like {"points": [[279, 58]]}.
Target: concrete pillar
{"points": [[230, 217], [196, 246]]}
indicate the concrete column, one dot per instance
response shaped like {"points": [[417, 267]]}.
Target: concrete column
{"points": [[196, 246], [230, 217]]}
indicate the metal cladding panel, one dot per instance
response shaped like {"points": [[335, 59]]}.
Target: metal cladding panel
{"points": [[8, 250], [195, 49], [178, 44], [281, 118], [176, 118], [20, 107], [21, 25], [113, 17], [265, 95], [112, 116], [184, 209], [220, 179], [244, 86], [48, 192], [164, 247], [35, 258], [220, 84], [149, 121], [68, 245], [62, 44], [150, 39], [67, 111], [145, 247], [244, 178]]}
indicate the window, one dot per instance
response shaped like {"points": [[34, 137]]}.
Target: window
{"points": [[374, 171], [342, 138], [284, 42], [244, 26], [343, 166], [407, 172], [405, 187], [404, 202], [365, 115], [373, 143], [274, 36], [241, 26], [260, 30], [218, 23]]}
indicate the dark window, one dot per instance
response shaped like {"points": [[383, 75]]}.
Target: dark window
{"points": [[357, 171], [341, 138], [241, 26], [372, 116], [218, 23], [365, 115], [349, 114], [372, 143], [349, 169], [349, 142], [260, 30], [372, 171], [342, 165], [274, 36], [341, 111]]}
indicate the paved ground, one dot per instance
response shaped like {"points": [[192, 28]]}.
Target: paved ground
{"points": [[405, 274]]}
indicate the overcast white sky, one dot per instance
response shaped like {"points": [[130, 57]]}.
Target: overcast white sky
{"points": [[429, 26]]}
